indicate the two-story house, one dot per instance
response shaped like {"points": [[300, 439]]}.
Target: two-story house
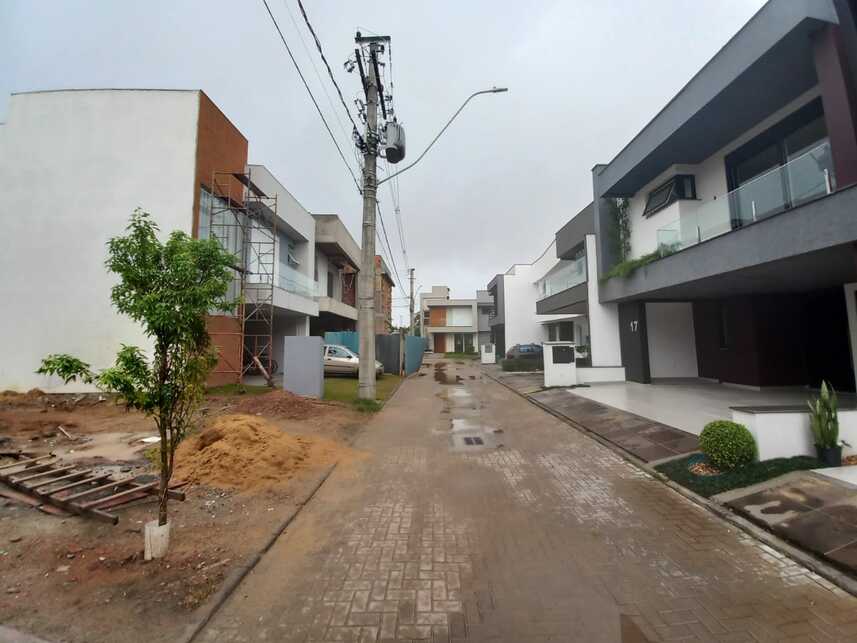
{"points": [[738, 203], [337, 261], [455, 325]]}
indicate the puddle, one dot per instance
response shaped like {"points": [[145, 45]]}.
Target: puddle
{"points": [[441, 376]]}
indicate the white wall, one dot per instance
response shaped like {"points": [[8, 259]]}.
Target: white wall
{"points": [[520, 294], [291, 212], [710, 184], [603, 318], [73, 166], [672, 343]]}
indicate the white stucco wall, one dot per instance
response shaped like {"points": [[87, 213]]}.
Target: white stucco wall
{"points": [[603, 318], [73, 167], [711, 187], [290, 214], [672, 342], [520, 294]]}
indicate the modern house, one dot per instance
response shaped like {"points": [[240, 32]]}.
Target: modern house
{"points": [[740, 201], [567, 297], [515, 293], [337, 261], [383, 297], [74, 164], [455, 325]]}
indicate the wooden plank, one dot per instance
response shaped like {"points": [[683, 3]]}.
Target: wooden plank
{"points": [[24, 498], [20, 462], [68, 476], [41, 474], [8, 475], [117, 496], [71, 485], [104, 487]]}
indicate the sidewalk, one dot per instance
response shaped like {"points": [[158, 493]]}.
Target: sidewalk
{"points": [[538, 534], [643, 438]]}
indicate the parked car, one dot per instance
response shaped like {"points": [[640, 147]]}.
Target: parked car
{"points": [[524, 351], [339, 360]]}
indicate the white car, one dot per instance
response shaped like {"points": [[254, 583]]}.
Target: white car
{"points": [[338, 360]]}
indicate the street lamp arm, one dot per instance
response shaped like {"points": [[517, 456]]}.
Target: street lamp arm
{"points": [[493, 90]]}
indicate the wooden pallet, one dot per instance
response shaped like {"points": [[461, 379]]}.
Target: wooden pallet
{"points": [[76, 490]]}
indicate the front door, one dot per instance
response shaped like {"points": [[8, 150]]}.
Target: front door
{"points": [[439, 343]]}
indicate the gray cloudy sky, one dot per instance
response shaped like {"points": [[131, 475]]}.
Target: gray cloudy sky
{"points": [[584, 77]]}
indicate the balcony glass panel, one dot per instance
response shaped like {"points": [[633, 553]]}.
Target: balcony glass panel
{"points": [[573, 273], [807, 176], [296, 282]]}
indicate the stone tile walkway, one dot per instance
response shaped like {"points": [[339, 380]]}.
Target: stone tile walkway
{"points": [[816, 513], [475, 516]]}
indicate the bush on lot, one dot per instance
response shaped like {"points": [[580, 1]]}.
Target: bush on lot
{"points": [[727, 444], [528, 364]]}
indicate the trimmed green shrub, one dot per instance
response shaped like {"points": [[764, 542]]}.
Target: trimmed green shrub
{"points": [[824, 418], [727, 444], [522, 364]]}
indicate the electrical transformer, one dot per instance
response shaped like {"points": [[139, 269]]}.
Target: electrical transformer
{"points": [[395, 148]]}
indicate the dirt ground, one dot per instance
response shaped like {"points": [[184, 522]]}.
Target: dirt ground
{"points": [[252, 462]]}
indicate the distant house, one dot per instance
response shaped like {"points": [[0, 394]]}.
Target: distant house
{"points": [[455, 325]]}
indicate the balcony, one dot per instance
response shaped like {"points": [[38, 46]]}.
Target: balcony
{"points": [[805, 178], [296, 282], [572, 274]]}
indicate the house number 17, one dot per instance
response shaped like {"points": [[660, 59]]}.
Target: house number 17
{"points": [[634, 325]]}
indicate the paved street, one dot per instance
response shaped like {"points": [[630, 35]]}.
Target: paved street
{"points": [[476, 516]]}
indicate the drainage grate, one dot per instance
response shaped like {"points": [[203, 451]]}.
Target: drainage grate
{"points": [[473, 441]]}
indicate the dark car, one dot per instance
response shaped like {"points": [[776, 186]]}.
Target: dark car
{"points": [[525, 351]]}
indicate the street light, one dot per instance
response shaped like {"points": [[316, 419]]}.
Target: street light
{"points": [[493, 90]]}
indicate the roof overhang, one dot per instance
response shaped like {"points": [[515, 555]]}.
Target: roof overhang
{"points": [[767, 64]]}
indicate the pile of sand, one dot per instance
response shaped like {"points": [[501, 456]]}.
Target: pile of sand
{"points": [[245, 452], [281, 404]]}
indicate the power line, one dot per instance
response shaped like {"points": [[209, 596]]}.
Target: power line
{"points": [[314, 101], [387, 239], [329, 71]]}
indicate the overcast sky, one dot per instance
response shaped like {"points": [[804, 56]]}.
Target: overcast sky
{"points": [[584, 77]]}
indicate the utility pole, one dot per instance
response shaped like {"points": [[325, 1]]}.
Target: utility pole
{"points": [[366, 277], [411, 325]]}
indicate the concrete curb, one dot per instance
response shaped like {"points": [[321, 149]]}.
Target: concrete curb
{"points": [[233, 580], [830, 573]]}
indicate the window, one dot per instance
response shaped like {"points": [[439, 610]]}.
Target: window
{"points": [[339, 351], [786, 165], [681, 186], [330, 284]]}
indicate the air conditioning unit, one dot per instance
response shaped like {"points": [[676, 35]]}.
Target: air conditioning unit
{"points": [[395, 137]]}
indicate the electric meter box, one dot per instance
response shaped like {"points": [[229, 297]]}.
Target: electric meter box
{"points": [[560, 367]]}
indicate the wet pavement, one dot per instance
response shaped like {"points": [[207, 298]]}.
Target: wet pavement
{"points": [[809, 510], [538, 533], [642, 437]]}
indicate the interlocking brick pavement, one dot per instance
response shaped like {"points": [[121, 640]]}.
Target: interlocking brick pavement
{"points": [[550, 536]]}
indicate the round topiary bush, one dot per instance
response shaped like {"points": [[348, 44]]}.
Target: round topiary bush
{"points": [[727, 444]]}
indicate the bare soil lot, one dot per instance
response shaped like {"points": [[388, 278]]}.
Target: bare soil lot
{"points": [[252, 462]]}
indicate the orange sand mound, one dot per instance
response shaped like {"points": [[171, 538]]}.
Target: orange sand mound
{"points": [[246, 452]]}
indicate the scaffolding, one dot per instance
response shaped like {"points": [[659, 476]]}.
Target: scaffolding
{"points": [[243, 219]]}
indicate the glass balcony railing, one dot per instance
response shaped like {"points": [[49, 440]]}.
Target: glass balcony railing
{"points": [[296, 282], [573, 273], [806, 177]]}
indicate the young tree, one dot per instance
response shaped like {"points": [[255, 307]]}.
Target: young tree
{"points": [[168, 288]]}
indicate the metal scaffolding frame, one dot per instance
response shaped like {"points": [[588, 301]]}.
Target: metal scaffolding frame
{"points": [[243, 219]]}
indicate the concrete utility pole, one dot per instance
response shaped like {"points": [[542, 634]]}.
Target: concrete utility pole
{"points": [[411, 325], [366, 278]]}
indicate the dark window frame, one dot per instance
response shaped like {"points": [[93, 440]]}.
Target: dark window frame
{"points": [[775, 136], [679, 187]]}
